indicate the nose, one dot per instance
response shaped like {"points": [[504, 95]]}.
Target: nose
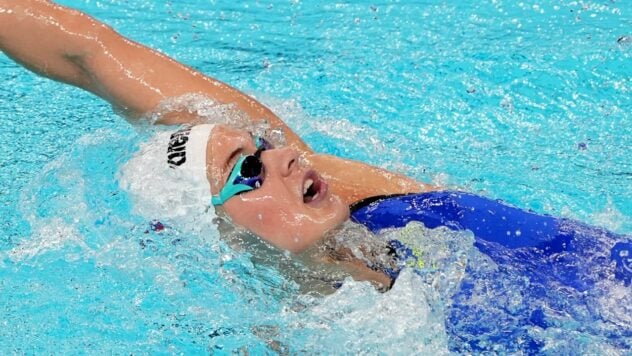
{"points": [[282, 161]]}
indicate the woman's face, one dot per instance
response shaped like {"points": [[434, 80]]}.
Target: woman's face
{"points": [[292, 209]]}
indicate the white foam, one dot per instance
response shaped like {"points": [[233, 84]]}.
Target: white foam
{"points": [[410, 318], [358, 319], [125, 255], [442, 254], [562, 341], [610, 217], [53, 234], [615, 305]]}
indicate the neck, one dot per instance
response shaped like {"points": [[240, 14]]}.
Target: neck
{"points": [[358, 252]]}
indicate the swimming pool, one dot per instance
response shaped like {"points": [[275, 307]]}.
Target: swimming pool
{"points": [[528, 102]]}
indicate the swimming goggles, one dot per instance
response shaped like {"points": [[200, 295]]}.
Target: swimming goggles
{"points": [[246, 175]]}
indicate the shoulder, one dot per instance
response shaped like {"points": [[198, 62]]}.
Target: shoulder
{"points": [[353, 180]]}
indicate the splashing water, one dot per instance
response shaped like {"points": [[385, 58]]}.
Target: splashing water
{"points": [[521, 101]]}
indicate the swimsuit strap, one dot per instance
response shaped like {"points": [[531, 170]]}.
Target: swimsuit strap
{"points": [[367, 201]]}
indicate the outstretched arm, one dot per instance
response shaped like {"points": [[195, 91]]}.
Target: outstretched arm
{"points": [[72, 47]]}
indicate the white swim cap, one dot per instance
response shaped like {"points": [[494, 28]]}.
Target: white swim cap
{"points": [[167, 176]]}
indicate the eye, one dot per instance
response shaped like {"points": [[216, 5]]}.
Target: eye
{"points": [[232, 158]]}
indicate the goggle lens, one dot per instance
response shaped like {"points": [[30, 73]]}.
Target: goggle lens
{"points": [[252, 165], [250, 176]]}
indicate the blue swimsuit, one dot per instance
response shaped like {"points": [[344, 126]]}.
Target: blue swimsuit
{"points": [[558, 262]]}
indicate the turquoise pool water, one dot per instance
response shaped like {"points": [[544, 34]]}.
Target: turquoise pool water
{"points": [[525, 101]]}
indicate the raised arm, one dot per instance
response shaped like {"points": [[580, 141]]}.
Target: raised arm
{"points": [[72, 47]]}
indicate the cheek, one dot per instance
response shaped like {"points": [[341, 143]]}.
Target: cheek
{"points": [[272, 222], [261, 215], [292, 228]]}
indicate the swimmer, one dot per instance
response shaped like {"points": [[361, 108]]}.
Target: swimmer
{"points": [[285, 193], [288, 195], [294, 196]]}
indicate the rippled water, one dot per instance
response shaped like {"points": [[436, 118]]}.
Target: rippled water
{"points": [[524, 101]]}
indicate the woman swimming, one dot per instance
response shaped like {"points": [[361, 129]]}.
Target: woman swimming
{"points": [[301, 194], [287, 195]]}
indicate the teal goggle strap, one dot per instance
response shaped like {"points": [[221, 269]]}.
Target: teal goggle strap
{"points": [[230, 189]]}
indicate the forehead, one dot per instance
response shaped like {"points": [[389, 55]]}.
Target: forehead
{"points": [[230, 129], [226, 137]]}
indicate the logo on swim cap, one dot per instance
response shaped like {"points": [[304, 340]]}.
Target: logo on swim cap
{"points": [[176, 153]]}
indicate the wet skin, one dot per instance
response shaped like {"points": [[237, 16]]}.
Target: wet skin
{"points": [[293, 208]]}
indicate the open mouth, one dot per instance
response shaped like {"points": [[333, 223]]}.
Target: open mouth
{"points": [[314, 188]]}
